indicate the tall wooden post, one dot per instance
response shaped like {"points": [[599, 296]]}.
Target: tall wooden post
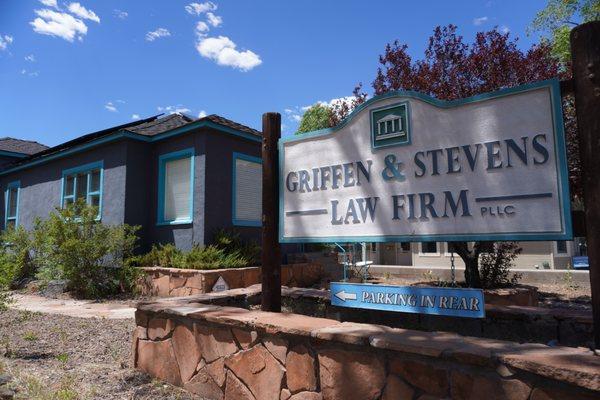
{"points": [[271, 254], [585, 54]]}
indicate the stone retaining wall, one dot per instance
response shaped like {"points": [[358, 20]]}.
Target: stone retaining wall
{"points": [[173, 282], [221, 352], [518, 323]]}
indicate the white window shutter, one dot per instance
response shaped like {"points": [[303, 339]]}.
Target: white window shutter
{"points": [[248, 190], [178, 190]]}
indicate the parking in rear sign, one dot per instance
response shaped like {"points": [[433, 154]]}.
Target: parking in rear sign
{"points": [[410, 299]]}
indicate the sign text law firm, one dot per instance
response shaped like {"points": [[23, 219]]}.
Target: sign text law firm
{"points": [[405, 166]]}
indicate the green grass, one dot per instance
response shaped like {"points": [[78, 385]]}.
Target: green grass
{"points": [[63, 358], [30, 336]]}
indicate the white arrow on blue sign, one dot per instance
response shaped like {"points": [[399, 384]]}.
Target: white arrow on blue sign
{"points": [[455, 302]]}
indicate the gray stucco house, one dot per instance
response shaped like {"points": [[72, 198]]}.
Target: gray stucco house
{"points": [[179, 178]]}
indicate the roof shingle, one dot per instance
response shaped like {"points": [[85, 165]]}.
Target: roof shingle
{"points": [[148, 127], [161, 125], [174, 121], [21, 146]]}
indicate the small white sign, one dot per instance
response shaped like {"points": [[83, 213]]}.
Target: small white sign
{"points": [[220, 285], [407, 167]]}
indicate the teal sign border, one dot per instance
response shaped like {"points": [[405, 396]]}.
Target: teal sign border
{"points": [[553, 86], [351, 295]]}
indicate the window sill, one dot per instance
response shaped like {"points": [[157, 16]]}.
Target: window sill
{"points": [[176, 222], [430, 255], [239, 222]]}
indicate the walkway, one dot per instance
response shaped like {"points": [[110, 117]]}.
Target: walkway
{"points": [[72, 308]]}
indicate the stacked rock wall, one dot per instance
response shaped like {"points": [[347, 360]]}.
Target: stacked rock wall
{"points": [[173, 282], [221, 352]]}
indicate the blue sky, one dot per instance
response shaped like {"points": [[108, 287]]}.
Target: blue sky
{"points": [[70, 68]]}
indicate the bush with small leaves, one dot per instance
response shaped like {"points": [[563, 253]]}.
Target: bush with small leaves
{"points": [[495, 265]]}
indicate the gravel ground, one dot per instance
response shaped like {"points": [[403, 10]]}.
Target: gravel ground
{"points": [[64, 358], [55, 357]]}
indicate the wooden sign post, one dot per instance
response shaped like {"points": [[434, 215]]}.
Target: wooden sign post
{"points": [[585, 54], [271, 254]]}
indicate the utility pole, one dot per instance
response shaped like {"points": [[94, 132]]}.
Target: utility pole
{"points": [[585, 55], [271, 254]]}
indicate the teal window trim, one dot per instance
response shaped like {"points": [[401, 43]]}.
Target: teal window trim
{"points": [[87, 169], [235, 221], [15, 218], [162, 163]]}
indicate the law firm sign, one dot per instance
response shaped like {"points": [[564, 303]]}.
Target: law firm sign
{"points": [[467, 303], [406, 167]]}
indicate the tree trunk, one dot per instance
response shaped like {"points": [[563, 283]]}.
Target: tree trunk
{"points": [[471, 260], [472, 277]]}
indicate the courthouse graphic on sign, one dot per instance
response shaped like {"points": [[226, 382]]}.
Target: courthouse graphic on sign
{"points": [[389, 125], [408, 167]]}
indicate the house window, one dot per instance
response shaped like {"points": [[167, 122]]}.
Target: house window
{"points": [[176, 187], [11, 206], [429, 248], [247, 190], [84, 182], [561, 247]]}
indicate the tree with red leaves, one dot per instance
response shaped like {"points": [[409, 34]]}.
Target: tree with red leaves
{"points": [[453, 69]]}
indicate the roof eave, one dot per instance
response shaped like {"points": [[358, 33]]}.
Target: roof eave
{"points": [[124, 133]]}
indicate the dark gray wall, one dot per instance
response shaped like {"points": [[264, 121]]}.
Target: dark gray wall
{"points": [[130, 186], [41, 185], [219, 182], [185, 235]]}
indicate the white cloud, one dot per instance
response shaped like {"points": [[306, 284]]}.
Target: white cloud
{"points": [[49, 3], [58, 24], [295, 113], [111, 107], [479, 21], [223, 51], [120, 14], [202, 114], [338, 101], [178, 109], [199, 8], [201, 28], [160, 32], [29, 73], [82, 12], [30, 58], [213, 19], [504, 29], [5, 41], [135, 116]]}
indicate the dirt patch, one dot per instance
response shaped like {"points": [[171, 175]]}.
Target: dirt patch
{"points": [[67, 358]]}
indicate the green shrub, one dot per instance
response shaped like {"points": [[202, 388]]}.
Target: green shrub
{"points": [[495, 265], [231, 242], [15, 262], [163, 255], [15, 257], [211, 257], [72, 245], [228, 251]]}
